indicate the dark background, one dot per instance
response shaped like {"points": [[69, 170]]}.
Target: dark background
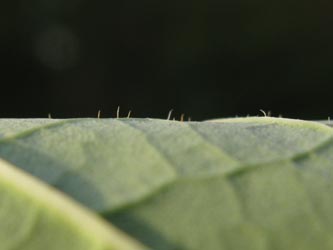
{"points": [[206, 59]]}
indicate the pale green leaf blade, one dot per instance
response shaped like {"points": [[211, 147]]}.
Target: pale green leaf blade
{"points": [[247, 183], [36, 217]]}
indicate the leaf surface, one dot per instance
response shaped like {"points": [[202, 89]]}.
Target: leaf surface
{"points": [[34, 216], [244, 183]]}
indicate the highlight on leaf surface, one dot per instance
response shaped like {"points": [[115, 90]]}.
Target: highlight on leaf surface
{"points": [[35, 216], [241, 183]]}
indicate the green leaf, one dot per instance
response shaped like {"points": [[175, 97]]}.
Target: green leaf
{"points": [[34, 216], [233, 184]]}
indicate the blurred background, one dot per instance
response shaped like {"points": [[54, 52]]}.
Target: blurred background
{"points": [[207, 59]]}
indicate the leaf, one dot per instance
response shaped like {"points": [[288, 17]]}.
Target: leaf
{"points": [[34, 216], [246, 183]]}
